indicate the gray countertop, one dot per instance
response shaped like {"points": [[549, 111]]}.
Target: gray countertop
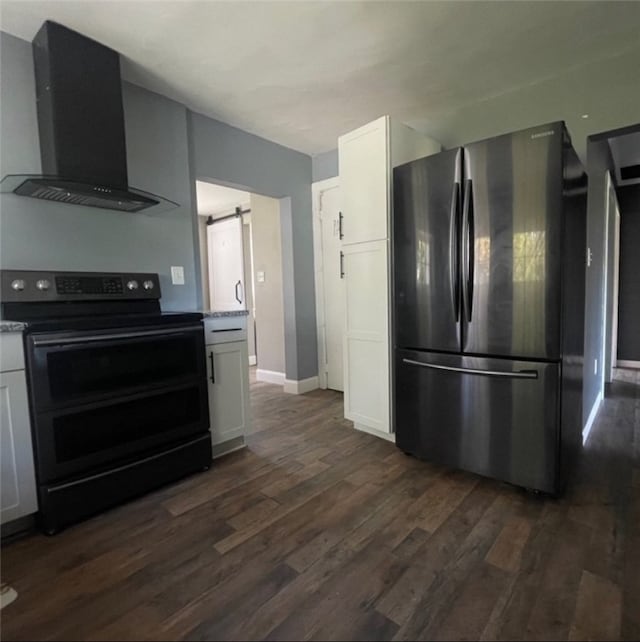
{"points": [[11, 326], [224, 313]]}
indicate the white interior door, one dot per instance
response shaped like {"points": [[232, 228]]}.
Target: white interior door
{"points": [[226, 264], [334, 291]]}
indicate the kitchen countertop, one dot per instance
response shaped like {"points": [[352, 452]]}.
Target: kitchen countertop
{"points": [[11, 326], [208, 314]]}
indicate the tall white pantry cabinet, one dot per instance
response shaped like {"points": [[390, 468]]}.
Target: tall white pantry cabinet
{"points": [[367, 157]]}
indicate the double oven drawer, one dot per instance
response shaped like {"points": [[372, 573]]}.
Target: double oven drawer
{"points": [[101, 397]]}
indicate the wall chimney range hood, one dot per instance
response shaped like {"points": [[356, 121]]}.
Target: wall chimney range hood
{"points": [[81, 126]]}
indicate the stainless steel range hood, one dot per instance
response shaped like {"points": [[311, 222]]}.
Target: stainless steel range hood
{"points": [[81, 126]]}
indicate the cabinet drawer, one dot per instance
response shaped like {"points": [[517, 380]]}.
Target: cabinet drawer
{"points": [[11, 351], [225, 329], [213, 337]]}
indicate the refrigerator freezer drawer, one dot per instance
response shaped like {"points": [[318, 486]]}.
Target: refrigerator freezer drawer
{"points": [[495, 417]]}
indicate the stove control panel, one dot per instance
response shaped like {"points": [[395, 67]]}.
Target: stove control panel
{"points": [[35, 285]]}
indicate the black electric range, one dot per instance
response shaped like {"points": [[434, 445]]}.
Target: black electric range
{"points": [[117, 388]]}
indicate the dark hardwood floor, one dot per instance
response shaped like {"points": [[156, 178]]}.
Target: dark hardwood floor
{"points": [[316, 531]]}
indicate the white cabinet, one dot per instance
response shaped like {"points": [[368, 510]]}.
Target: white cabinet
{"points": [[228, 376], [364, 182], [366, 396], [228, 373], [17, 475], [367, 156]]}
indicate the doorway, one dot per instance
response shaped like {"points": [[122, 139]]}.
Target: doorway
{"points": [[241, 268]]}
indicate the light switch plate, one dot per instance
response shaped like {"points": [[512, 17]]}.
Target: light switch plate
{"points": [[260, 277], [177, 275]]}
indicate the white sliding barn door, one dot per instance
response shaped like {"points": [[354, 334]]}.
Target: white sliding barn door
{"points": [[226, 264]]}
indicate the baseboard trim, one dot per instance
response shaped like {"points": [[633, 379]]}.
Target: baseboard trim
{"points": [[270, 376], [625, 363], [253, 360], [376, 433], [227, 447], [592, 417], [299, 387]]}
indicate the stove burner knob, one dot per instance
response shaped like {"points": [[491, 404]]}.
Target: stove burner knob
{"points": [[148, 285], [132, 285], [43, 284], [17, 285]]}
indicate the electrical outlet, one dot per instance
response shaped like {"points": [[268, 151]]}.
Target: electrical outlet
{"points": [[177, 275], [589, 257], [595, 366], [260, 276]]}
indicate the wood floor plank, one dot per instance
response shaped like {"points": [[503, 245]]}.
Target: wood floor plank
{"points": [[473, 605], [552, 614], [598, 609], [506, 551]]}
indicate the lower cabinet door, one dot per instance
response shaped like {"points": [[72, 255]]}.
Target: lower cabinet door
{"points": [[228, 375], [366, 338], [18, 479]]}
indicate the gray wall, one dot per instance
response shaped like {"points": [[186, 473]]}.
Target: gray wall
{"points": [[41, 235], [325, 165], [629, 293], [201, 222], [248, 288], [598, 163], [267, 258], [227, 155]]}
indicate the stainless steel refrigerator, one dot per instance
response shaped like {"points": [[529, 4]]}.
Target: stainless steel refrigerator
{"points": [[488, 315]]}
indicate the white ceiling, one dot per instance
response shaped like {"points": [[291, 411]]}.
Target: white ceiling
{"points": [[217, 199], [302, 73]]}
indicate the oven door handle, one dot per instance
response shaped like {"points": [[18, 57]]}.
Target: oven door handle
{"points": [[94, 338]]}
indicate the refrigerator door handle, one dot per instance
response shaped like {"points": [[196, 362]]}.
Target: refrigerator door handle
{"points": [[518, 374], [454, 258], [467, 250]]}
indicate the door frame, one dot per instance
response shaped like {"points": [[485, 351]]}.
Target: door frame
{"points": [[615, 291], [605, 285], [316, 192], [610, 281]]}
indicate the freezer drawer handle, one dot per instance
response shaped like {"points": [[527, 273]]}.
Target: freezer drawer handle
{"points": [[520, 374]]}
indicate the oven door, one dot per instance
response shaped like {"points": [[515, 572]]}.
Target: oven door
{"points": [[72, 368], [101, 399]]}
